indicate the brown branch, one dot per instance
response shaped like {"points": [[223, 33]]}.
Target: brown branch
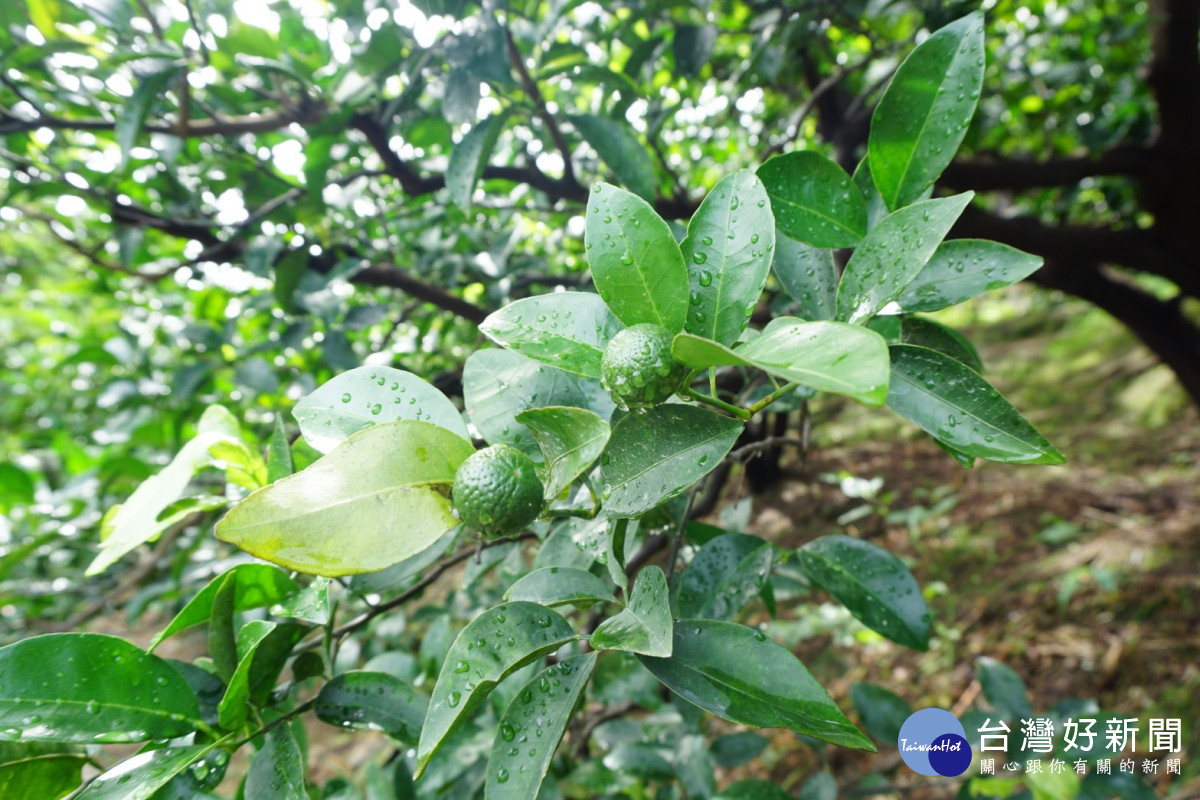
{"points": [[535, 94], [992, 173], [308, 111], [394, 277], [1174, 70]]}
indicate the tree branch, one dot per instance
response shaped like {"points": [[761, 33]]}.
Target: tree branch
{"points": [[535, 94], [396, 278], [992, 173], [308, 111]]}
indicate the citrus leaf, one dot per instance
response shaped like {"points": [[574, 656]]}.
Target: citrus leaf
{"points": [[688, 443], [737, 749], [644, 625], [499, 384], [738, 674], [90, 688], [954, 404], [136, 521], [963, 268], [262, 649], [469, 158], [829, 356], [495, 644], [724, 575], [367, 396], [568, 330], [311, 604], [255, 586], [923, 115], [570, 439], [532, 727], [619, 148], [279, 453], [134, 111], [814, 200], [872, 584], [752, 789], [728, 249], [692, 46], [277, 771], [1003, 688], [935, 336], [557, 586], [41, 770], [636, 265], [382, 494], [140, 777], [808, 275], [373, 701], [882, 712], [893, 253]]}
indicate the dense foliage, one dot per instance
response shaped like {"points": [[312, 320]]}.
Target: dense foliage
{"points": [[283, 271]]}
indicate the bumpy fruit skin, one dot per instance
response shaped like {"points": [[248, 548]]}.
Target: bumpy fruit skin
{"points": [[497, 491], [638, 368]]}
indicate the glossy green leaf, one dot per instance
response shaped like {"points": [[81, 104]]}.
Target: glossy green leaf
{"points": [[725, 574], [728, 251], [571, 439], [498, 385], [222, 636], [655, 456], [469, 158], [872, 584], [694, 767], [557, 586], [644, 625], [367, 396], [829, 356], [279, 453], [40, 770], [495, 644], [532, 727], [460, 98], [568, 330], [692, 46], [383, 493], [636, 265], [876, 208], [923, 115], [277, 771], [255, 586], [101, 689], [926, 333], [892, 254], [753, 789], [808, 275], [953, 403], [640, 760], [737, 749], [963, 268], [814, 200], [263, 647], [882, 712], [311, 604], [140, 777], [373, 701], [741, 675], [1003, 688], [620, 150], [136, 521]]}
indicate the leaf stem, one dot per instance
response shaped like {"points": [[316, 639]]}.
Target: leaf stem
{"points": [[715, 402], [618, 541], [773, 396]]}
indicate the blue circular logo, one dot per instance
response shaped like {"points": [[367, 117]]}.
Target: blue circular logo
{"points": [[933, 742]]}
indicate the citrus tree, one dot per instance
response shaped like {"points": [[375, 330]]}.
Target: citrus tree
{"points": [[567, 542]]}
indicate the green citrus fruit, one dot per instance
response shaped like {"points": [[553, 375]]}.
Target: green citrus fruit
{"points": [[638, 368], [497, 491]]}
